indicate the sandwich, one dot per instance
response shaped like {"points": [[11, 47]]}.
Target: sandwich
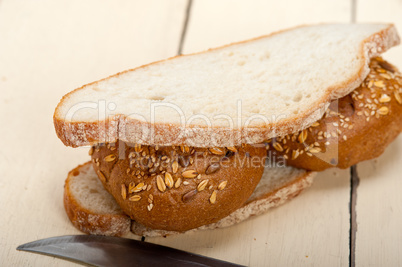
{"points": [[207, 140]]}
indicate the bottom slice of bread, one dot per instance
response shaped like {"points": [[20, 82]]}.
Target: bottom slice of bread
{"points": [[94, 211], [90, 207], [277, 185]]}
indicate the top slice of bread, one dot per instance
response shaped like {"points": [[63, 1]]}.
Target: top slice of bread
{"points": [[245, 92]]}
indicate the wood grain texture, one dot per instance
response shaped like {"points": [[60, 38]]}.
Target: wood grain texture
{"points": [[48, 48], [379, 209], [379, 198], [312, 229]]}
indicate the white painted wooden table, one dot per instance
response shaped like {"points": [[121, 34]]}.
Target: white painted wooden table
{"points": [[48, 48]]}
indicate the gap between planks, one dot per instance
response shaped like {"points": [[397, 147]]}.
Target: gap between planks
{"points": [[354, 183], [354, 180], [185, 24]]}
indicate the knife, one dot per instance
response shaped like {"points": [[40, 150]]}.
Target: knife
{"points": [[117, 251]]}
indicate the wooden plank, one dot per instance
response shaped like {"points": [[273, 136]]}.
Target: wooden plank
{"points": [[314, 228], [48, 48], [379, 209], [379, 201]]}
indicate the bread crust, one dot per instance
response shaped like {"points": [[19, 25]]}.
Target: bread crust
{"points": [[87, 220], [358, 127], [178, 188], [121, 127]]}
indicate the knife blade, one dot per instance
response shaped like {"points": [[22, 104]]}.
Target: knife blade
{"points": [[117, 251]]}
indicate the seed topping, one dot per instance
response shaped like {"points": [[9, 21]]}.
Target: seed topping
{"points": [[222, 185], [201, 186], [232, 148], [217, 151], [214, 167], [379, 84], [169, 180], [385, 98], [277, 147], [212, 199], [123, 191], [150, 206], [315, 150], [385, 65], [139, 187], [160, 183], [295, 154], [131, 187], [178, 183], [398, 97], [189, 195], [383, 110], [175, 166], [189, 174], [137, 148], [303, 136], [134, 198], [110, 158]]}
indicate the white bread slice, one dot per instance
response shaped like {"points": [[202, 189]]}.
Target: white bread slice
{"points": [[245, 92], [90, 207], [277, 185]]}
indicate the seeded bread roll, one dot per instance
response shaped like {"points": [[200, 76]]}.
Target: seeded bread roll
{"points": [[178, 188], [277, 186], [355, 128], [89, 207]]}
